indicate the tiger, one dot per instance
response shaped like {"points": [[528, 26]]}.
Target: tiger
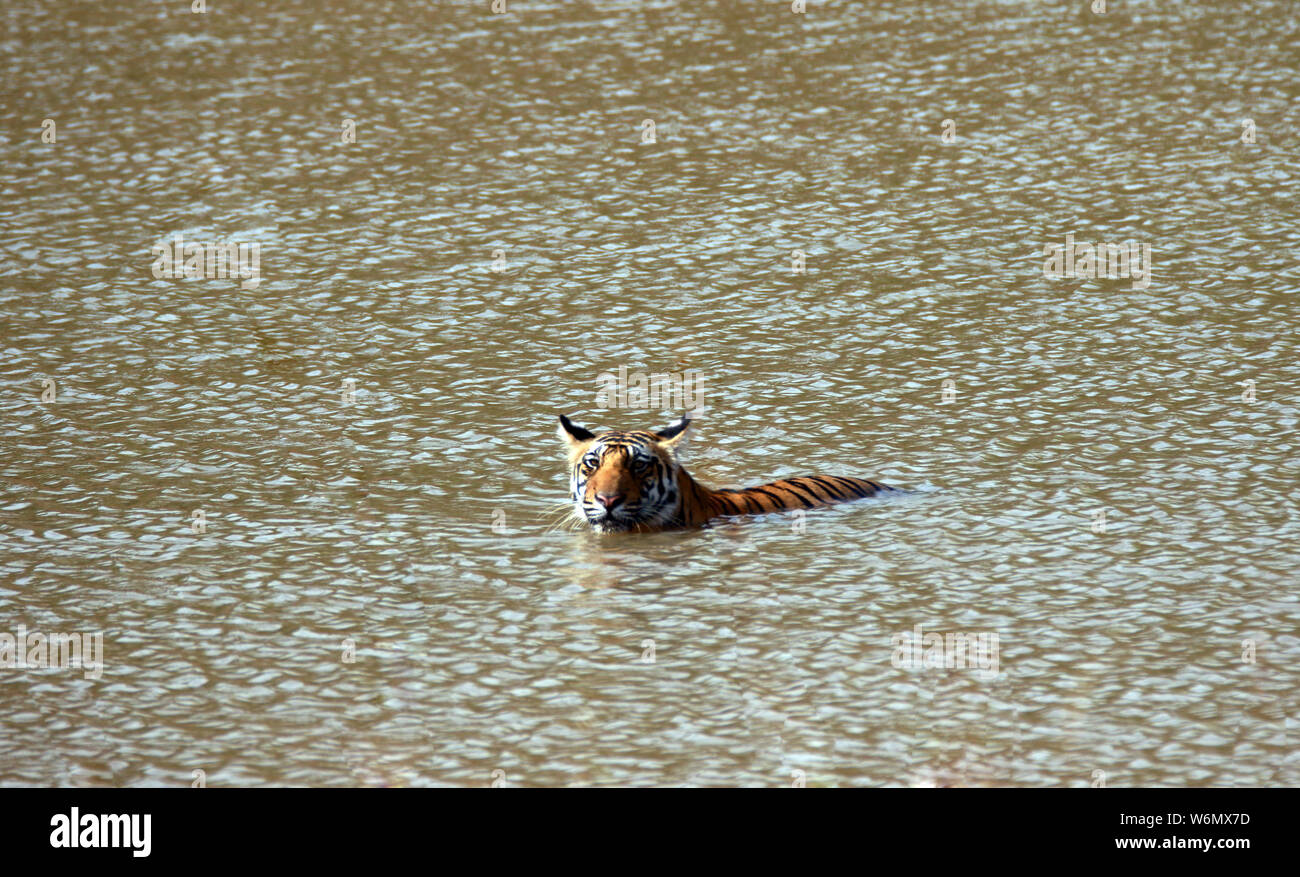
{"points": [[631, 481]]}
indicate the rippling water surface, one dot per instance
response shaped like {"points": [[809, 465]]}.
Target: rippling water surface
{"points": [[1158, 646]]}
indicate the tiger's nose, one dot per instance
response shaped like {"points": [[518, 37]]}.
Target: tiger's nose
{"points": [[609, 500]]}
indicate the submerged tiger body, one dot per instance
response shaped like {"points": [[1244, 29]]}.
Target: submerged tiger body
{"points": [[632, 482]]}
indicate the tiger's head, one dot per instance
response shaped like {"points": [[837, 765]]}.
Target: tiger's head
{"points": [[622, 481]]}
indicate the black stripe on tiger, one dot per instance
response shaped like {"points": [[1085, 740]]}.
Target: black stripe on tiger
{"points": [[820, 490], [799, 492], [831, 488], [853, 487], [777, 502]]}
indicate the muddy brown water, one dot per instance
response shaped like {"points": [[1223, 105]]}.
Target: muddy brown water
{"points": [[1105, 491]]}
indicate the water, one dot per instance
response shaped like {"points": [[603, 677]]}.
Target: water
{"points": [[414, 518]]}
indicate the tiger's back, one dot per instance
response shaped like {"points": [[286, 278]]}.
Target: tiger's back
{"points": [[805, 491]]}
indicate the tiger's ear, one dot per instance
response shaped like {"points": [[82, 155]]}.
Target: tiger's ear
{"points": [[572, 434], [671, 435]]}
